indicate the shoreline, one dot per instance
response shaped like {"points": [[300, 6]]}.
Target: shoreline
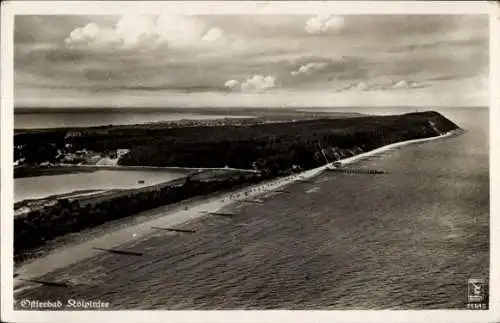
{"points": [[157, 168], [355, 158], [176, 216], [68, 169]]}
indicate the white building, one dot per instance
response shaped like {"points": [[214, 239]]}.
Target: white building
{"points": [[72, 134], [94, 159], [106, 161], [121, 152]]}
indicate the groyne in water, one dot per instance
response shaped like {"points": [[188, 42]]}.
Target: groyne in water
{"points": [[273, 149], [178, 215], [36, 228]]}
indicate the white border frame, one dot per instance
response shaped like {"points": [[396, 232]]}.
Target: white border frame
{"points": [[9, 9]]}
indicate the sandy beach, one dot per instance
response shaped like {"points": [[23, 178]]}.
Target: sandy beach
{"points": [[174, 216]]}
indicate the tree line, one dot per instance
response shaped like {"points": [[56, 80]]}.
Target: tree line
{"points": [[38, 227]]}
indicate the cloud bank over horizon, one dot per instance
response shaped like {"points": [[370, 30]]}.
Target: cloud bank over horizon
{"points": [[426, 59]]}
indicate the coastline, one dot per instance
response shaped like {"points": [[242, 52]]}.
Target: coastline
{"points": [[179, 215], [66, 169], [157, 168], [355, 158]]}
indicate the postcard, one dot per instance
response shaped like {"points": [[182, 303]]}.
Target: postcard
{"points": [[234, 161]]}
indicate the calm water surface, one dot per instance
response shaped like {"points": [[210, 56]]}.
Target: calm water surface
{"points": [[44, 186], [93, 119], [408, 239]]}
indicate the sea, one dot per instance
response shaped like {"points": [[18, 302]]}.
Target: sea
{"points": [[99, 118], [408, 239]]}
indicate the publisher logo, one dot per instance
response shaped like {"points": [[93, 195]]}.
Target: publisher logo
{"points": [[476, 290]]}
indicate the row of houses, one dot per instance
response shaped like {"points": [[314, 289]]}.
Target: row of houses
{"points": [[81, 133], [92, 158]]}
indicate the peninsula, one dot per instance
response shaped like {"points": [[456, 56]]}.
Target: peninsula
{"points": [[215, 158]]}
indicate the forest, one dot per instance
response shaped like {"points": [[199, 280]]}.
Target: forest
{"points": [[271, 147]]}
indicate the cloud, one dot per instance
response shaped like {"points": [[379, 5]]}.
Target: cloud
{"points": [[231, 84], [361, 86], [133, 53], [309, 67], [403, 84], [134, 30], [459, 94], [323, 23], [257, 83], [213, 34], [179, 31], [92, 35]]}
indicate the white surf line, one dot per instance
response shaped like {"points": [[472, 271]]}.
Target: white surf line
{"points": [[355, 158], [73, 254]]}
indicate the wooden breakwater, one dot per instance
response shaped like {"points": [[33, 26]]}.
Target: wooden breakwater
{"points": [[36, 228]]}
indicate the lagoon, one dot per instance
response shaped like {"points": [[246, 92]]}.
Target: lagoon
{"points": [[45, 186]]}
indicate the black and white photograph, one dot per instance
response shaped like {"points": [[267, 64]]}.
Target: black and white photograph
{"points": [[315, 160]]}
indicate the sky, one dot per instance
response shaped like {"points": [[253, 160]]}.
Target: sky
{"points": [[251, 60]]}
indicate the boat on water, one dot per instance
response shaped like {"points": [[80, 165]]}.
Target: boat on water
{"points": [[140, 181]]}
